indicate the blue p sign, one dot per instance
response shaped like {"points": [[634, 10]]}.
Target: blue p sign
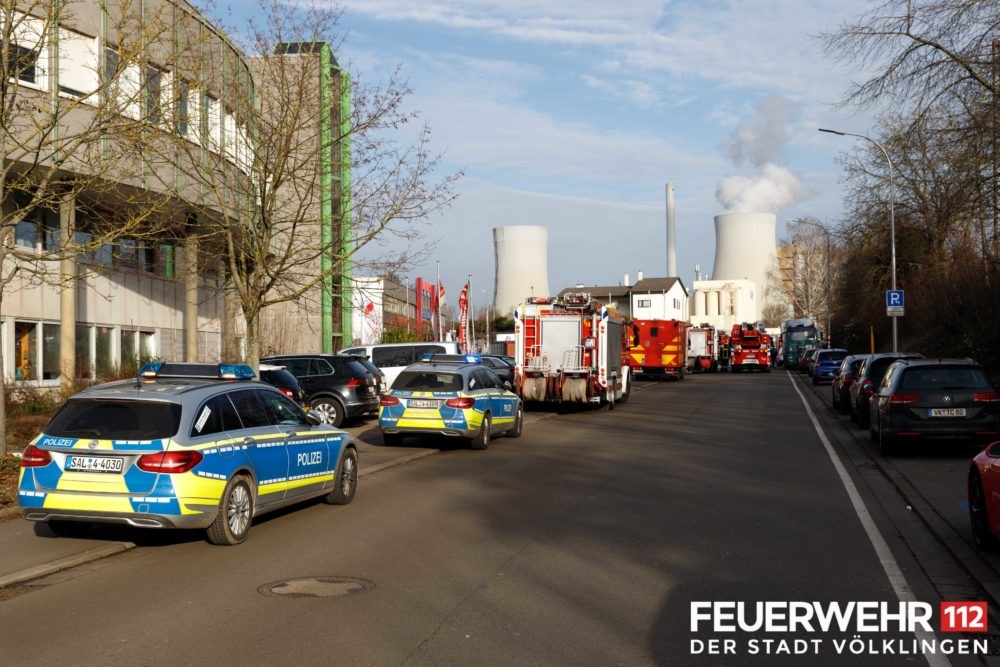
{"points": [[894, 298]]}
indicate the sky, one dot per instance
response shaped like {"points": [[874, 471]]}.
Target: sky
{"points": [[573, 114]]}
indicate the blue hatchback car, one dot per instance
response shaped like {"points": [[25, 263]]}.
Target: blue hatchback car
{"points": [[827, 364]]}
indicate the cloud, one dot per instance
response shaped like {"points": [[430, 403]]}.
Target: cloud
{"points": [[639, 93], [762, 139], [768, 190]]}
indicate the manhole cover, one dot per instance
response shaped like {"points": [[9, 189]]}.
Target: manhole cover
{"points": [[317, 587]]}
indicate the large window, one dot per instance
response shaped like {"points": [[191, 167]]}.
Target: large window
{"points": [[128, 361], [154, 93], [78, 65], [50, 352], [25, 340], [104, 347], [84, 356], [125, 81]]}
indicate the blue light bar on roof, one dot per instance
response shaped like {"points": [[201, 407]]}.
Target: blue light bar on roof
{"points": [[473, 359], [150, 370], [162, 370]]}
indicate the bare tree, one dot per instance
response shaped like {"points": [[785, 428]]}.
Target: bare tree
{"points": [[282, 231], [74, 124]]}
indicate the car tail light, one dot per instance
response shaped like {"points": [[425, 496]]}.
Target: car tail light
{"points": [[354, 382], [169, 462], [386, 401], [287, 392], [866, 387], [986, 397], [903, 399], [33, 457], [463, 403]]}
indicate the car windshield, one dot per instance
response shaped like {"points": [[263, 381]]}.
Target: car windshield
{"points": [[116, 420], [428, 381], [944, 378]]}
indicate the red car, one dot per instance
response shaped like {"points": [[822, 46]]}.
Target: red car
{"points": [[984, 496]]}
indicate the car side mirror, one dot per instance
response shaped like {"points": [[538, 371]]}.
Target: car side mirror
{"points": [[507, 385], [313, 419], [993, 450]]}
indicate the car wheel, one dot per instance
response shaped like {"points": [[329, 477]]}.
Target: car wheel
{"points": [[515, 430], [328, 410], [392, 439], [345, 482], [979, 514], [886, 443], [482, 439], [232, 523]]}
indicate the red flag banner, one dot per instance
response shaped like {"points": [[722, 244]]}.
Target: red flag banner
{"points": [[463, 317]]}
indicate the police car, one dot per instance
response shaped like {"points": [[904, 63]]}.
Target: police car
{"points": [[182, 446], [452, 395]]}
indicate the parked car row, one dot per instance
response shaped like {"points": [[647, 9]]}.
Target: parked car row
{"points": [[903, 398]]}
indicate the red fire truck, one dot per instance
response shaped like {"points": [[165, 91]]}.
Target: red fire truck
{"points": [[703, 348], [570, 349], [751, 348], [658, 348]]}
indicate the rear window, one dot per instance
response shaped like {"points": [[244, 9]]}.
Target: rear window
{"points": [[356, 368], [280, 378], [944, 378], [832, 356], [116, 420], [428, 381]]}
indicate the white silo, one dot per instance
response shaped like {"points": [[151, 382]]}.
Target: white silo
{"points": [[746, 248], [522, 265]]}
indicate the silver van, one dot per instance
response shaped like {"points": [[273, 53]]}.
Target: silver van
{"points": [[391, 358]]}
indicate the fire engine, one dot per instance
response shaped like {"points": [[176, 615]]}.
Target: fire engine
{"points": [[570, 349], [658, 348], [751, 348], [703, 348]]}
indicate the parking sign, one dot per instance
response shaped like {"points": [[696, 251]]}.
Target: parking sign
{"points": [[894, 302]]}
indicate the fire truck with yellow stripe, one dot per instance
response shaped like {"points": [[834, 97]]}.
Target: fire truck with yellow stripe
{"points": [[570, 349], [658, 348]]}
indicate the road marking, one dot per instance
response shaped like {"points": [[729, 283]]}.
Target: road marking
{"points": [[892, 570]]}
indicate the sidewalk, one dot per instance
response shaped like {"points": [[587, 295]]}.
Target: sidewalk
{"points": [[25, 556]]}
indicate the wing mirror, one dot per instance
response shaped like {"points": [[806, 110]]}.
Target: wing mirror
{"points": [[313, 419]]}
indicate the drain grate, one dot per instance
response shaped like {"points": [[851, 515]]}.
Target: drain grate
{"points": [[317, 587]]}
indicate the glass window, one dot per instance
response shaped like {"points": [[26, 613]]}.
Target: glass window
{"points": [[24, 62], [153, 90], [487, 379], [77, 63], [50, 230], [26, 233], [128, 253], [645, 303], [297, 367], [183, 94], [116, 420], [127, 360], [84, 360], [215, 416], [148, 260], [282, 410], [24, 350], [51, 367], [392, 356], [320, 367], [428, 381], [249, 408], [105, 362], [104, 254], [147, 346]]}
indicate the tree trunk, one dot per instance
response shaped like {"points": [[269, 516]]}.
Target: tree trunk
{"points": [[3, 397]]}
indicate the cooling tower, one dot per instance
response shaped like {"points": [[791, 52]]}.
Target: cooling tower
{"points": [[522, 265], [745, 248]]}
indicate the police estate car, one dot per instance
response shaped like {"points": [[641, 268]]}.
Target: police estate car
{"points": [[451, 395], [182, 446]]}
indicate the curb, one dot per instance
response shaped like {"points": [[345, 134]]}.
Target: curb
{"points": [[396, 462], [39, 571]]}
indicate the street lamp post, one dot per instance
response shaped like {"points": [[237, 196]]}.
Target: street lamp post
{"points": [[892, 221], [829, 283]]}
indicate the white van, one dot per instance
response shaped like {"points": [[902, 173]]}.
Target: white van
{"points": [[391, 358]]}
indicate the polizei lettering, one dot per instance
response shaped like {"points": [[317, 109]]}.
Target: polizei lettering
{"points": [[309, 458], [800, 616]]}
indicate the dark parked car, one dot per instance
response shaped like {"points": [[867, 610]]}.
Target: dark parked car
{"points": [[804, 360], [500, 367], [287, 384], [826, 363], [934, 398], [840, 388], [870, 376], [380, 382], [337, 387]]}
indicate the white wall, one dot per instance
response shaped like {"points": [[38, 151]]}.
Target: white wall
{"points": [[723, 303]]}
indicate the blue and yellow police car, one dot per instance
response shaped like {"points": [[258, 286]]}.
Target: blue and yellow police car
{"points": [[451, 395], [182, 446]]}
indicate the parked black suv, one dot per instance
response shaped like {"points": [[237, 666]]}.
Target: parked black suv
{"points": [[337, 387], [287, 384]]}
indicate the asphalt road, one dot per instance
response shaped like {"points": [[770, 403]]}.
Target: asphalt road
{"points": [[583, 542]]}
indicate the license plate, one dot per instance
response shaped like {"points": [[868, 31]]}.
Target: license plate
{"points": [[422, 403], [947, 412], [112, 464], [749, 361]]}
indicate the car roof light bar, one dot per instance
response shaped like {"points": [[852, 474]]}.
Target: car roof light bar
{"points": [[162, 370]]}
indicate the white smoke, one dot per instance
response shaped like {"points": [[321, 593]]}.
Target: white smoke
{"points": [[754, 146]]}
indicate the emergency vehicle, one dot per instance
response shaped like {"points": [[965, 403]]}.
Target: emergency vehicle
{"points": [[658, 348], [570, 349], [703, 348], [751, 348]]}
